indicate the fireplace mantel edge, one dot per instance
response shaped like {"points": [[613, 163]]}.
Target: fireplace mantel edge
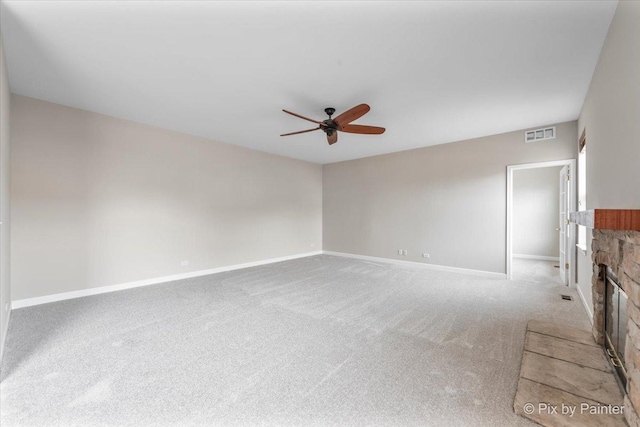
{"points": [[608, 219]]}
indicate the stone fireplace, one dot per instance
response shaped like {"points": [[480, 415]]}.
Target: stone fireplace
{"points": [[616, 259]]}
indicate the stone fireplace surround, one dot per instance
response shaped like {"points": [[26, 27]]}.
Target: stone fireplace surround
{"points": [[616, 244]]}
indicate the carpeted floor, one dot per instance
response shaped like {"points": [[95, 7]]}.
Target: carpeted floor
{"points": [[314, 341], [533, 270]]}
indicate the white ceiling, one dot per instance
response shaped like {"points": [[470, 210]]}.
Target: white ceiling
{"points": [[432, 72]]}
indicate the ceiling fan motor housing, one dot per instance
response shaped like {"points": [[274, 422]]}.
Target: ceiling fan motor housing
{"points": [[329, 126]]}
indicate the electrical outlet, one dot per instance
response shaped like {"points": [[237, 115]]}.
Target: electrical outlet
{"points": [[404, 252], [399, 251], [184, 263], [425, 255]]}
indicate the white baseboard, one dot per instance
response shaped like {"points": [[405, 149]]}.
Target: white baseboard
{"points": [[480, 273], [584, 303], [28, 302], [538, 257], [112, 288], [5, 332]]}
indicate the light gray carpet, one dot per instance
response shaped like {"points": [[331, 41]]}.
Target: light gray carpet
{"points": [[533, 270], [315, 341]]}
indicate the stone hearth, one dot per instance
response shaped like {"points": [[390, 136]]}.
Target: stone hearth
{"points": [[620, 250], [616, 244], [563, 368]]}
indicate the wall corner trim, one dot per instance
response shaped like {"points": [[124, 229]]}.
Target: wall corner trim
{"points": [[584, 303], [28, 302], [480, 273], [5, 333]]}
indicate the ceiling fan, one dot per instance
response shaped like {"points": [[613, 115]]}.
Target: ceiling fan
{"points": [[340, 123]]}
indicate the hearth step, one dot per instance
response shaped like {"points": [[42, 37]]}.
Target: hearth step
{"points": [[565, 379]]}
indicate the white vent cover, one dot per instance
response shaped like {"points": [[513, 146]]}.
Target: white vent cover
{"points": [[540, 134]]}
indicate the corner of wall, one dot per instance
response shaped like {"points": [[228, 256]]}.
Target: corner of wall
{"points": [[609, 118], [5, 201]]}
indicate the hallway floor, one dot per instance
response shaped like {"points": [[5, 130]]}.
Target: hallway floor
{"points": [[532, 270]]}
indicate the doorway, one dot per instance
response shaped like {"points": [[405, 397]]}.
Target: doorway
{"points": [[540, 241]]}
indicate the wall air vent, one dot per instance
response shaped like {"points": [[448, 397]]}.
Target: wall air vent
{"points": [[540, 134]]}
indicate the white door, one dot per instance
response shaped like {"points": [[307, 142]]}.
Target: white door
{"points": [[564, 225]]}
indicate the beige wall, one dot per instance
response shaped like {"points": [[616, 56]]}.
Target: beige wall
{"points": [[448, 200], [536, 209], [5, 194], [100, 201], [611, 117]]}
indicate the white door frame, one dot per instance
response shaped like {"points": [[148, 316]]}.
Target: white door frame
{"points": [[572, 207]]}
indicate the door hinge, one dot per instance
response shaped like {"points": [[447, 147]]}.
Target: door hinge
{"points": [[566, 266]]}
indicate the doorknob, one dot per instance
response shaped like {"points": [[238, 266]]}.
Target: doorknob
{"points": [[557, 228]]}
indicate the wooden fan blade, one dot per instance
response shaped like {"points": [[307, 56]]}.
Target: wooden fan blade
{"points": [[332, 138], [302, 131], [369, 130], [302, 117], [351, 115]]}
